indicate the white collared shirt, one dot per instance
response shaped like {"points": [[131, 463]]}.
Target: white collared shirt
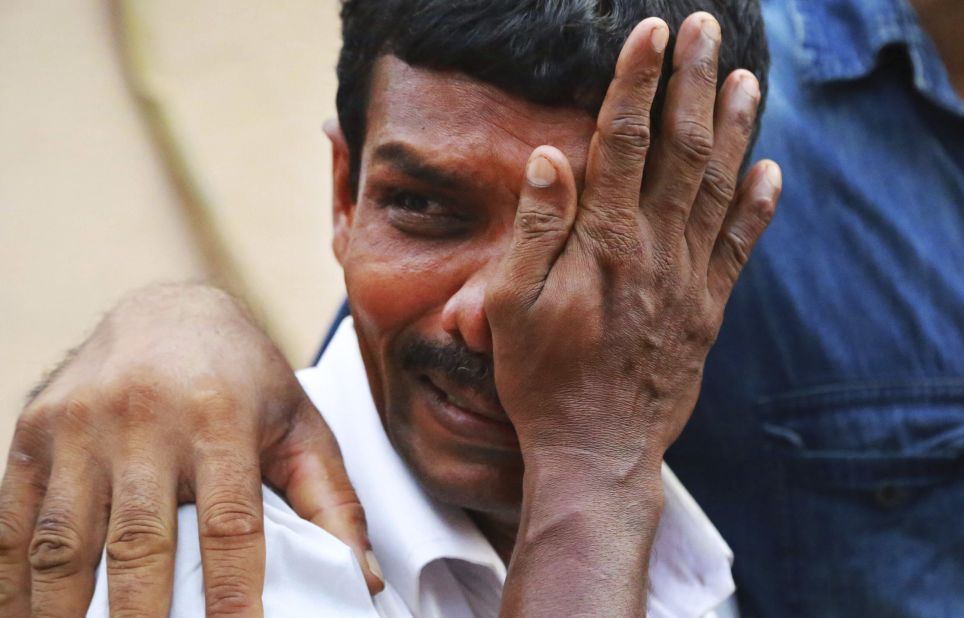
{"points": [[436, 562]]}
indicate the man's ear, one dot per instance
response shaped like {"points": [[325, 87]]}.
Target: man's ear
{"points": [[343, 198]]}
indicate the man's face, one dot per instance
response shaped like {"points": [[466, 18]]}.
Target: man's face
{"points": [[442, 166]]}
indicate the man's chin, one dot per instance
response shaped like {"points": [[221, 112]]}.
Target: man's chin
{"points": [[466, 475], [481, 487]]}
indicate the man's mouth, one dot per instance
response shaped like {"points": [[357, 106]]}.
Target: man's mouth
{"points": [[467, 399], [466, 413]]}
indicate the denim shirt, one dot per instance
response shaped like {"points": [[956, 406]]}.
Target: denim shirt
{"points": [[828, 442]]}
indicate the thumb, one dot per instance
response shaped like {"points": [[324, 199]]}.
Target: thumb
{"points": [[543, 222], [307, 466]]}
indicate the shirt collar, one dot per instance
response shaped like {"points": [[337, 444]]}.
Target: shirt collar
{"points": [[689, 568], [408, 529], [840, 40]]}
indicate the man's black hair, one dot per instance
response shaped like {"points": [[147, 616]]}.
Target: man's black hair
{"points": [[553, 52]]}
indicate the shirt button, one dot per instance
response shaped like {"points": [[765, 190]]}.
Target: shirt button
{"points": [[889, 496]]}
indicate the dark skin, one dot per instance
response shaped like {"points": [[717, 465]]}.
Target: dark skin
{"points": [[152, 412], [506, 273], [489, 227]]}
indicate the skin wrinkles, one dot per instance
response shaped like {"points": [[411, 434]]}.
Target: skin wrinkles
{"points": [[470, 111], [490, 102], [406, 161]]}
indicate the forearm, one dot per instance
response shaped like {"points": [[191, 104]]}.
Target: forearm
{"points": [[585, 537]]}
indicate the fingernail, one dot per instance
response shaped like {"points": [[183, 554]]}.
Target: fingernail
{"points": [[373, 565], [774, 176], [711, 28], [750, 86], [659, 38], [540, 172]]}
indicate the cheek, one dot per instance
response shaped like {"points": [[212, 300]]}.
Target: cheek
{"points": [[396, 281], [392, 280]]}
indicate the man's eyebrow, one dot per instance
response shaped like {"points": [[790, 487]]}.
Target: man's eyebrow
{"points": [[406, 160]]}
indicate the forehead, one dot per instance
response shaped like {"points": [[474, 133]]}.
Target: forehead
{"points": [[454, 119]]}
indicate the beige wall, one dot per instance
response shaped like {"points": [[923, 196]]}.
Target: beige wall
{"points": [[160, 140]]}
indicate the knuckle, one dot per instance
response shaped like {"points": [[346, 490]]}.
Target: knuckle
{"points": [[344, 519], [139, 535], [228, 595], [134, 398], [138, 383], [739, 245], [232, 520], [353, 515], [56, 547], [693, 140], [214, 401], [718, 183], [541, 223], [629, 132], [32, 424], [215, 414], [30, 442], [78, 414]]}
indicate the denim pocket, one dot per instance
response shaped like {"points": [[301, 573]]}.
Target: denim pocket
{"points": [[872, 488]]}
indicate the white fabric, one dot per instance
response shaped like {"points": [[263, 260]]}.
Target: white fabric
{"points": [[436, 562]]}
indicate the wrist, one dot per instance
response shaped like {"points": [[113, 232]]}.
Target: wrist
{"points": [[625, 492], [593, 520], [606, 455], [627, 438]]}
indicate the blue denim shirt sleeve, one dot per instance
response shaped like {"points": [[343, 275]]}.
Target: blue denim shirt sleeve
{"points": [[828, 443]]}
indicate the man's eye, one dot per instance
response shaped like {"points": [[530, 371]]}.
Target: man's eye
{"points": [[413, 203], [423, 216]]}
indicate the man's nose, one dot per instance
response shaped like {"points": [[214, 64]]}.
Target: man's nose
{"points": [[464, 317]]}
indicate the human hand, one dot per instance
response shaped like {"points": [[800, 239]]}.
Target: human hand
{"points": [[176, 397], [607, 303]]}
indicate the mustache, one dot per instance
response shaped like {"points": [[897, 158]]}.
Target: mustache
{"points": [[468, 369]]}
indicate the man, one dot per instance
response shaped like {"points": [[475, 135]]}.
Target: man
{"points": [[562, 325], [838, 370]]}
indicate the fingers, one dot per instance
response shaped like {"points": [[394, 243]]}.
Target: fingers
{"points": [[543, 221], [619, 147], [742, 227], [68, 536], [231, 526], [686, 135], [307, 466], [734, 120], [141, 539], [20, 498]]}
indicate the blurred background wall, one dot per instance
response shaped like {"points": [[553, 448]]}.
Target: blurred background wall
{"points": [[161, 140]]}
